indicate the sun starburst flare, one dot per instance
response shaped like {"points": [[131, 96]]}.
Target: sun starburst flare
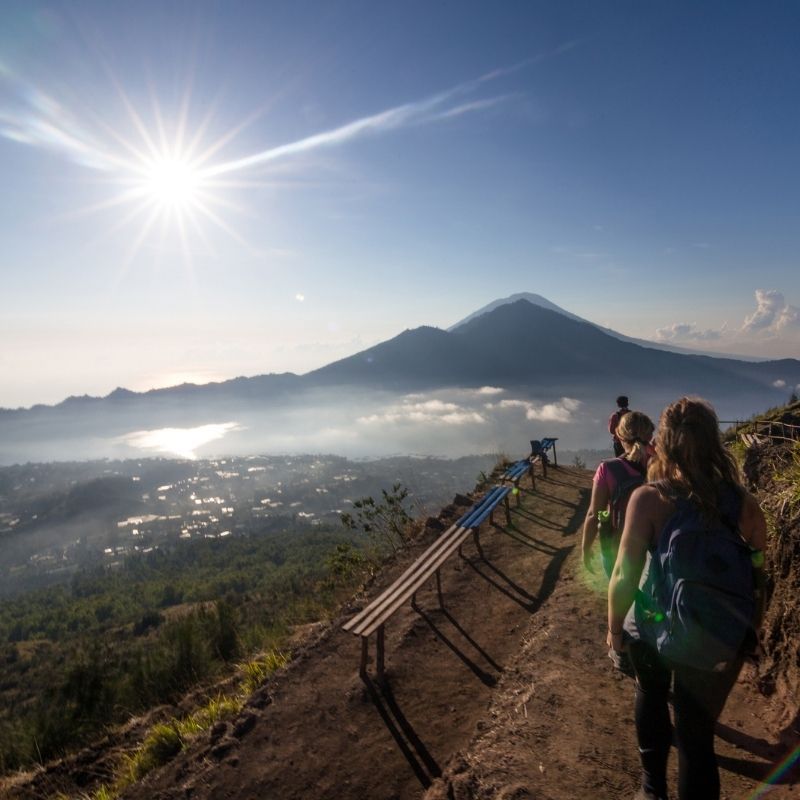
{"points": [[165, 176]]}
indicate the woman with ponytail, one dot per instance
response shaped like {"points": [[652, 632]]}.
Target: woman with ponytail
{"points": [[613, 482], [699, 531]]}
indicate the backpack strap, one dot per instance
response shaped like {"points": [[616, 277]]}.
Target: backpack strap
{"points": [[618, 471]]}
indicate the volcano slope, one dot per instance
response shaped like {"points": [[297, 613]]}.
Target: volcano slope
{"points": [[506, 692]]}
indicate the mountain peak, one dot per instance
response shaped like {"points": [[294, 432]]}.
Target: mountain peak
{"points": [[530, 297]]}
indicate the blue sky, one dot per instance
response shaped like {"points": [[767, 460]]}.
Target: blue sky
{"points": [[196, 191]]}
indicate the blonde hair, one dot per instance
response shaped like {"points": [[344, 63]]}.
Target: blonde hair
{"points": [[635, 429], [690, 457]]}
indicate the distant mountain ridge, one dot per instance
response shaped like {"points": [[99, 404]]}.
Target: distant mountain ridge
{"points": [[506, 343]]}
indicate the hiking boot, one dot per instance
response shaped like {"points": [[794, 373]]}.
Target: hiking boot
{"points": [[621, 662]]}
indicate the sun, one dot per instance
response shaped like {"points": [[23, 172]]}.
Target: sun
{"points": [[171, 183]]}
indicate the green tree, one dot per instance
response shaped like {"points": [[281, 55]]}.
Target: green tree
{"points": [[386, 523]]}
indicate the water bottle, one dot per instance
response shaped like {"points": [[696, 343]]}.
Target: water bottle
{"points": [[652, 613], [604, 528]]}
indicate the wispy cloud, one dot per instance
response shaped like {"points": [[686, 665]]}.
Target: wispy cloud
{"points": [[475, 105], [430, 109], [31, 116]]}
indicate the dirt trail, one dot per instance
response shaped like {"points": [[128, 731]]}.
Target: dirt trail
{"points": [[507, 692], [326, 734]]}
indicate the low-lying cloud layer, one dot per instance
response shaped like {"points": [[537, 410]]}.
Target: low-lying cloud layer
{"points": [[469, 407], [687, 332]]}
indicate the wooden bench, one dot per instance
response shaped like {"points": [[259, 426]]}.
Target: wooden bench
{"points": [[751, 439], [373, 617], [539, 448], [516, 472]]}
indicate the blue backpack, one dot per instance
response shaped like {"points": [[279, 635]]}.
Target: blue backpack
{"points": [[697, 604]]}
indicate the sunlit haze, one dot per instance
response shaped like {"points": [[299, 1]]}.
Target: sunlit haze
{"points": [[198, 191]]}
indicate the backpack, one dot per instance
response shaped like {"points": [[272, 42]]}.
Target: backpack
{"points": [[624, 484], [613, 422], [697, 604]]}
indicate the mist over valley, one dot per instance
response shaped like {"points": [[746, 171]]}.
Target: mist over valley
{"points": [[516, 372]]}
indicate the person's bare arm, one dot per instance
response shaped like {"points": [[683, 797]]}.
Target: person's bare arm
{"points": [[598, 502], [636, 537], [753, 526]]}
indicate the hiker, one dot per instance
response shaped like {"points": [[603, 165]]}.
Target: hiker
{"points": [[613, 483], [613, 422], [696, 612]]}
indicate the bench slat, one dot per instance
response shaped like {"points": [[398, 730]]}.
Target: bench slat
{"points": [[401, 595], [441, 541], [383, 606], [490, 500]]}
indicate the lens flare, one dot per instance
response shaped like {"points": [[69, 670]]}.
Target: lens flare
{"points": [[781, 769]]}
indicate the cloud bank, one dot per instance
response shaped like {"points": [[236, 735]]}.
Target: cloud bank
{"points": [[469, 407], [773, 318], [687, 332], [772, 315]]}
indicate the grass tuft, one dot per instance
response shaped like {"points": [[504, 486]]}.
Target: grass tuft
{"points": [[788, 480], [161, 745], [259, 669]]}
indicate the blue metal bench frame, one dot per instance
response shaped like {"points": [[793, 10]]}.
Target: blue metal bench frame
{"points": [[539, 448], [517, 471]]}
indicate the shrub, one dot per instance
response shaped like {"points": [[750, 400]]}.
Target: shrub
{"points": [[150, 619], [387, 523]]}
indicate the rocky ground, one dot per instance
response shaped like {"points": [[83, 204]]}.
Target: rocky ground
{"points": [[506, 692]]}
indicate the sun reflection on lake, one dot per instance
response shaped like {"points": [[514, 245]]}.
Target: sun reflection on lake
{"points": [[181, 442]]}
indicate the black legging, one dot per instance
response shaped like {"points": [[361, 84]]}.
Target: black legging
{"points": [[698, 699]]}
